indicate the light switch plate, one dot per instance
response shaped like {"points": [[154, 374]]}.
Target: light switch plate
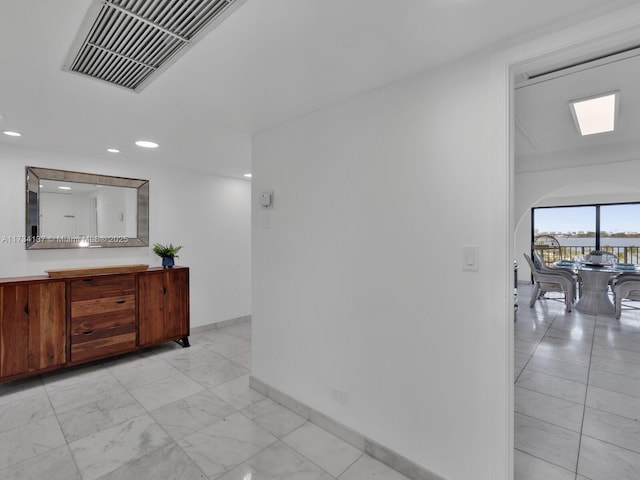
{"points": [[471, 258]]}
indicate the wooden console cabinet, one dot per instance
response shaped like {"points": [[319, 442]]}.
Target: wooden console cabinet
{"points": [[32, 328], [163, 306], [47, 323]]}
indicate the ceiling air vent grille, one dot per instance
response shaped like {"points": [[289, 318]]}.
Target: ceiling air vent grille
{"points": [[128, 42]]}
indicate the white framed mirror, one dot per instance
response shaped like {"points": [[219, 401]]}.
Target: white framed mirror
{"points": [[66, 209]]}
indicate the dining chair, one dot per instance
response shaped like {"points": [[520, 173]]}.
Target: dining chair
{"points": [[551, 280], [625, 286], [539, 261]]}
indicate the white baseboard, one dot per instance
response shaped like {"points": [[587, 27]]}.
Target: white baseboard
{"points": [[371, 447], [222, 324]]}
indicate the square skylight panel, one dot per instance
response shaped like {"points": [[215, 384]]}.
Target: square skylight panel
{"points": [[595, 114]]}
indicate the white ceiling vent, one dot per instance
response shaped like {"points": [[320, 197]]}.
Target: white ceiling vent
{"points": [[129, 42]]}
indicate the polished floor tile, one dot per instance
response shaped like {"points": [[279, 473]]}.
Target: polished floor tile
{"points": [[617, 354], [112, 448], [619, 367], [167, 413], [237, 392], [553, 444], [550, 409], [56, 464], [231, 347], [324, 449], [583, 346], [528, 467], [243, 359], [521, 359], [222, 446], [30, 440], [113, 408], [614, 429], [22, 411], [218, 372], [273, 417], [241, 330], [277, 462], [577, 395], [554, 386], [613, 402], [557, 368], [192, 359], [614, 382], [74, 376], [165, 463], [562, 355], [69, 395], [603, 461], [191, 414], [143, 372], [165, 391], [622, 342], [16, 390]]}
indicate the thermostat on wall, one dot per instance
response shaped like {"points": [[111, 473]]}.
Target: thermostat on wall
{"points": [[266, 199]]}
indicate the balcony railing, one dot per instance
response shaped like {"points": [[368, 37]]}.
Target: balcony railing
{"points": [[629, 254]]}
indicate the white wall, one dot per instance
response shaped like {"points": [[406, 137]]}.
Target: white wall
{"points": [[209, 215], [116, 211], [358, 282], [578, 185]]}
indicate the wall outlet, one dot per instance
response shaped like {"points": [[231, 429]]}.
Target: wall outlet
{"points": [[339, 395]]}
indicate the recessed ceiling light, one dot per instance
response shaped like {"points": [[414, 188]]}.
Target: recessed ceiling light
{"points": [[12, 134], [146, 144], [595, 114], [248, 175], [64, 188], [113, 150]]}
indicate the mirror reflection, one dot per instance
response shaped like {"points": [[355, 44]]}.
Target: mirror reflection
{"points": [[72, 209], [80, 209]]}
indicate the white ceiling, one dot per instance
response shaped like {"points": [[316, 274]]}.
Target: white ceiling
{"points": [[270, 61], [546, 136]]}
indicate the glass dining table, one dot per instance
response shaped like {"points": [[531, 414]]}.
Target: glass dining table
{"points": [[594, 290]]}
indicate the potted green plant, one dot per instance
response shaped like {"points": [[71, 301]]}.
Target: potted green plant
{"points": [[167, 252]]}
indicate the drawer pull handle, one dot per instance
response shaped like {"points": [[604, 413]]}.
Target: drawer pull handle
{"points": [[120, 301], [87, 280], [88, 332]]}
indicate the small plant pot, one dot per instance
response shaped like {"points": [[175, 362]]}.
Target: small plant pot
{"points": [[168, 262]]}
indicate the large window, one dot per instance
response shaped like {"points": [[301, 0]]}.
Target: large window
{"points": [[565, 232]]}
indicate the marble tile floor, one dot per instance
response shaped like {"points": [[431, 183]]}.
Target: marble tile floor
{"points": [[577, 393], [168, 413]]}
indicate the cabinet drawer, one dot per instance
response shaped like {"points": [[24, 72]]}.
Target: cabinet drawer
{"points": [[82, 325], [93, 288], [101, 343], [102, 312]]}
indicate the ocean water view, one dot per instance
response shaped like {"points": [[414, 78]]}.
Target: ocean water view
{"points": [[604, 241]]}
